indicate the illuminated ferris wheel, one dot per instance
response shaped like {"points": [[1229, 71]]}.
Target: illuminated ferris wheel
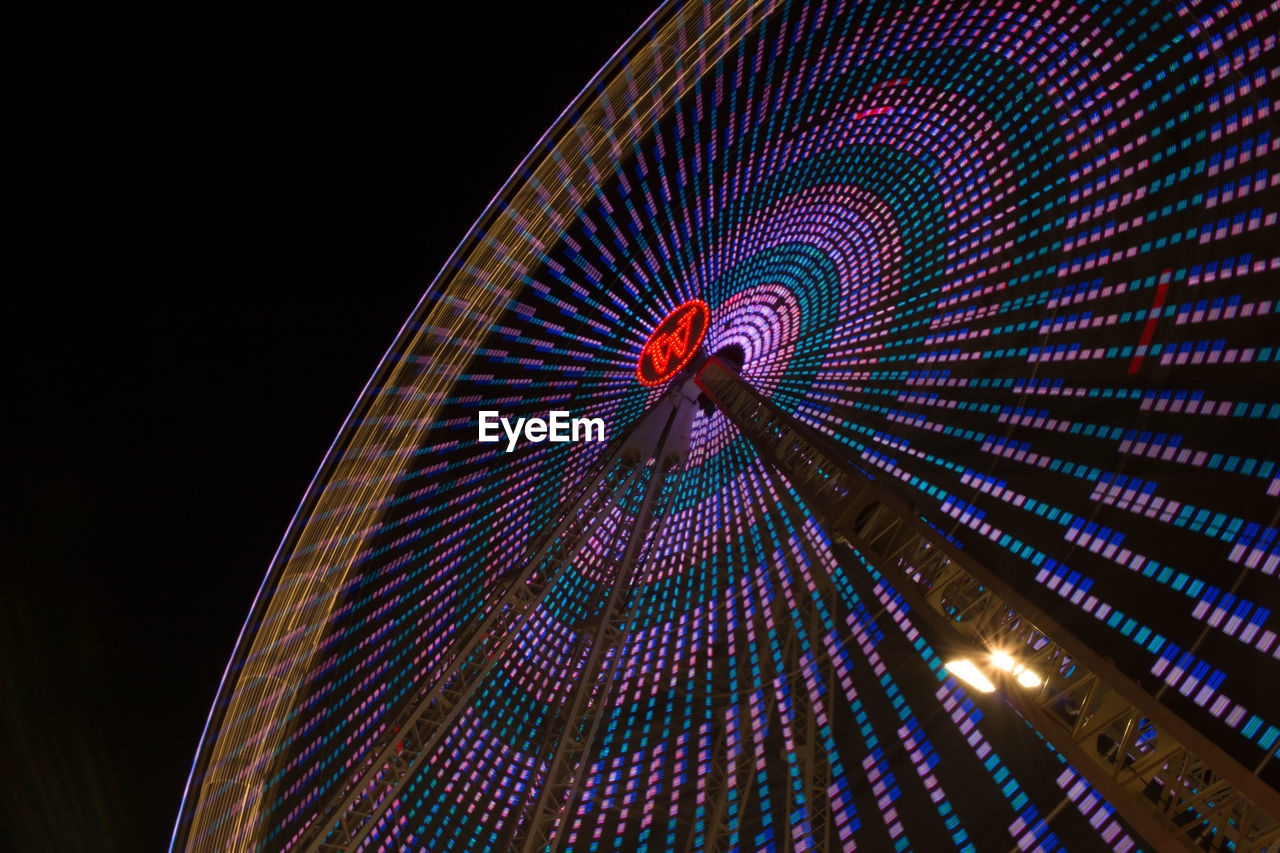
{"points": [[934, 351]]}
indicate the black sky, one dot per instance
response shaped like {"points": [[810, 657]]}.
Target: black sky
{"points": [[216, 227]]}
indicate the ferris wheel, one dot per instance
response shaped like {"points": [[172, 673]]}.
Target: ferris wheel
{"points": [[935, 502]]}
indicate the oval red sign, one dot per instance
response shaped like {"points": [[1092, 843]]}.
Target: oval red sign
{"points": [[673, 343]]}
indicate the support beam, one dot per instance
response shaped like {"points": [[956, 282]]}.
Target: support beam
{"points": [[808, 818], [545, 828], [1171, 783], [720, 781], [353, 812]]}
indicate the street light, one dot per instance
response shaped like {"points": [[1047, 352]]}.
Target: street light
{"points": [[970, 673], [965, 670], [1003, 660]]}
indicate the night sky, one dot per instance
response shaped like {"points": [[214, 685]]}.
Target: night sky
{"points": [[219, 226]]}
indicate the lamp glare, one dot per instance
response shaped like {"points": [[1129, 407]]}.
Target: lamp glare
{"points": [[965, 670]]}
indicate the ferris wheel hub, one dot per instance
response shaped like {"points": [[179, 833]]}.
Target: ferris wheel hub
{"points": [[674, 343]]}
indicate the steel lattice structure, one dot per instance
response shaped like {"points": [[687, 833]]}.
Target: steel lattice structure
{"points": [[1013, 262]]}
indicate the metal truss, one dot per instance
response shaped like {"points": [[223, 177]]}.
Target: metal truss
{"points": [[721, 779], [566, 771], [354, 811], [807, 809], [1166, 779]]}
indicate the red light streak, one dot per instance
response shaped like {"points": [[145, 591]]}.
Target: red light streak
{"points": [[1153, 317]]}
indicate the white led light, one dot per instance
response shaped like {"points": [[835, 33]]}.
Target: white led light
{"points": [[1027, 678], [965, 670]]}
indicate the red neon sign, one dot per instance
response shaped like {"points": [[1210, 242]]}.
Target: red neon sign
{"points": [[673, 343]]}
